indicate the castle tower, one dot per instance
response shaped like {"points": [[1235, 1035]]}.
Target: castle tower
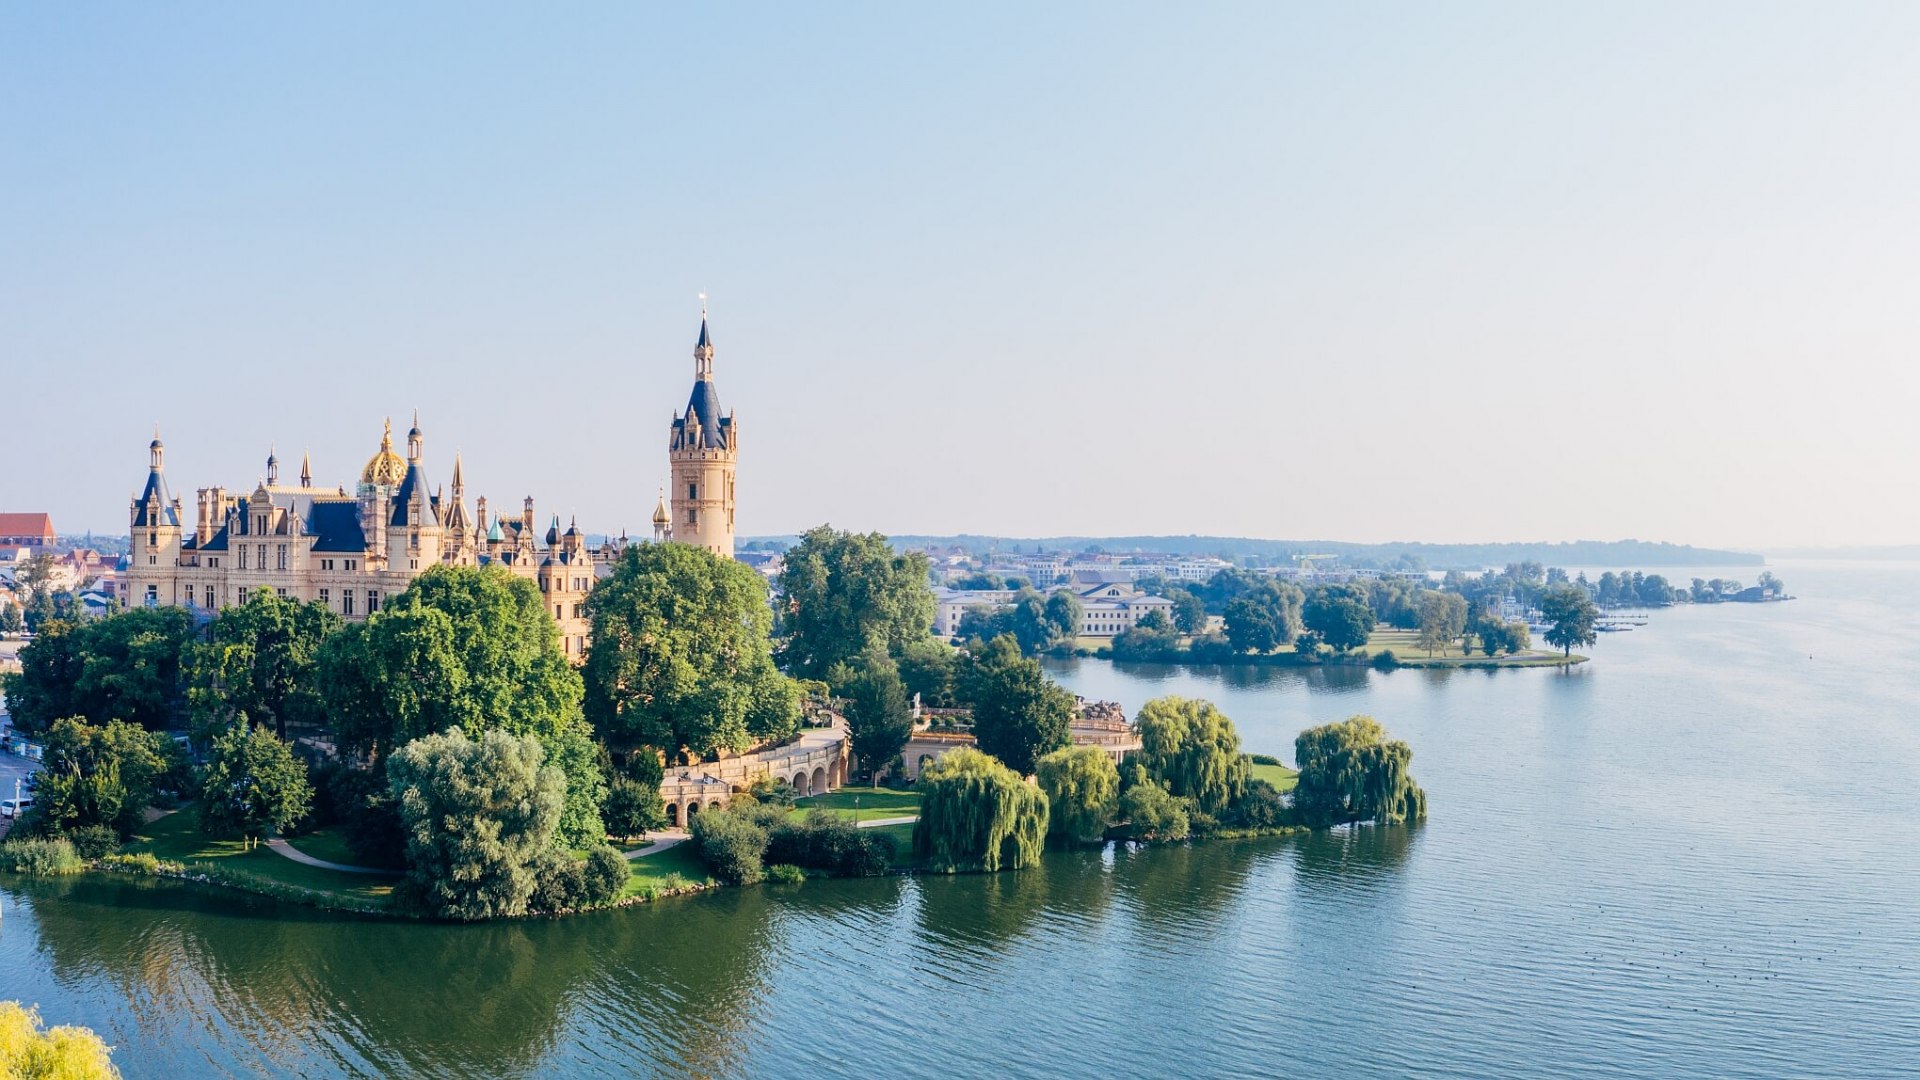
{"points": [[153, 521], [703, 451]]}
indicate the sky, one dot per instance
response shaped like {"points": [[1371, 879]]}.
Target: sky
{"points": [[1460, 272]]}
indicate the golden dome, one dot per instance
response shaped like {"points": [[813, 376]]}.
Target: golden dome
{"points": [[386, 467], [660, 516]]}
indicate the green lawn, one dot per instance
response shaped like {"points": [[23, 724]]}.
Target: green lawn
{"points": [[874, 803], [177, 837], [651, 872], [329, 845], [902, 842], [1282, 778]]}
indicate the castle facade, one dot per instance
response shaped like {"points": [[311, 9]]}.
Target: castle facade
{"points": [[350, 550]]}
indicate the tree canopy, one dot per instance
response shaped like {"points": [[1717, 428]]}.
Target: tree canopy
{"points": [[1018, 713], [118, 667], [878, 716], [29, 1051], [477, 816], [977, 813], [1572, 613], [846, 592], [1352, 771], [99, 775], [253, 784], [473, 648], [1083, 792], [1443, 618], [1192, 749], [681, 655], [1339, 616], [260, 660]]}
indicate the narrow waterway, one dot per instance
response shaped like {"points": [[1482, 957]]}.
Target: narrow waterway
{"points": [[1692, 857]]}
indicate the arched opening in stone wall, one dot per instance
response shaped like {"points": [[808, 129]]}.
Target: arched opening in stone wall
{"points": [[714, 805], [820, 781], [925, 760], [692, 809], [673, 815], [800, 784]]}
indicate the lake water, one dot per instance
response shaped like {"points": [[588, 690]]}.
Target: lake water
{"points": [[1695, 856]]}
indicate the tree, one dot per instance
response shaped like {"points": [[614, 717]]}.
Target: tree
{"points": [[254, 785], [1191, 748], [1572, 614], [119, 667], [1339, 616], [1351, 771], [1063, 614], [10, 619], [1189, 611], [1149, 639], [977, 813], [1153, 814], [31, 1052], [102, 775], [1083, 792], [1250, 628], [845, 592], [473, 648], [477, 814], [877, 713], [681, 655], [1443, 617], [1018, 713], [261, 660], [929, 667]]}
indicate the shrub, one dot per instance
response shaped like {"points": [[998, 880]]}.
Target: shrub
{"points": [[1153, 814], [1262, 807], [1384, 660], [606, 874], [824, 842], [94, 841], [1263, 759], [786, 874], [731, 843], [40, 857], [560, 882]]}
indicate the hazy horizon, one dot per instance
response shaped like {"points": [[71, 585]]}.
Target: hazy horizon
{"points": [[1479, 273]]}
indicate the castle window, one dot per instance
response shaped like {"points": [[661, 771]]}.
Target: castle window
{"points": [[153, 596], [282, 554], [373, 601], [324, 598], [692, 515], [691, 489], [263, 556], [209, 597], [243, 556], [346, 601]]}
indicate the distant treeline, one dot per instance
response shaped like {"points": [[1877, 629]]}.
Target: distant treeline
{"points": [[1394, 556]]}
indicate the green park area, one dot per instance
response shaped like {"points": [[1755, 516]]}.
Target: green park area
{"points": [[863, 803], [1282, 778], [177, 838]]}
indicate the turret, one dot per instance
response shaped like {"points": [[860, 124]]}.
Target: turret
{"points": [[703, 448], [306, 469]]}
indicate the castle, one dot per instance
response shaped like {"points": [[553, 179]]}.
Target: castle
{"points": [[349, 551]]}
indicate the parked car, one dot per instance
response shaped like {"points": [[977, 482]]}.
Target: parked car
{"points": [[13, 807]]}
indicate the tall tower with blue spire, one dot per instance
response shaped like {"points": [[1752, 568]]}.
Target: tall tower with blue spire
{"points": [[702, 451]]}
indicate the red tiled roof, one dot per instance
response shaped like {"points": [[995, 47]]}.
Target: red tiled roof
{"points": [[27, 525]]}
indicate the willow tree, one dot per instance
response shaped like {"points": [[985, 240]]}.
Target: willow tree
{"points": [[976, 813], [1191, 748], [1083, 792], [1352, 771]]}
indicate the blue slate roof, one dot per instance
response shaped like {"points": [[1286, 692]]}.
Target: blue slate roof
{"points": [[156, 486], [336, 525], [216, 542], [705, 405], [413, 482]]}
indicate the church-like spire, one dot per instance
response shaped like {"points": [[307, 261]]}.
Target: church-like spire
{"points": [[306, 468], [703, 349], [458, 486]]}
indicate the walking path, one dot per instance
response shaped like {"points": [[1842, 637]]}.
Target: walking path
{"points": [[281, 847], [662, 840], [884, 821]]}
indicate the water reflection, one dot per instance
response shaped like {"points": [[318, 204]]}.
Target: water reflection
{"points": [[1354, 853]]}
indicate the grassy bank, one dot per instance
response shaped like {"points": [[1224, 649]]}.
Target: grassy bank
{"points": [[176, 838], [1403, 644], [873, 803], [1282, 778]]}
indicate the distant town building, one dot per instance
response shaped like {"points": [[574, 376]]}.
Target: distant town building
{"points": [[31, 531]]}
